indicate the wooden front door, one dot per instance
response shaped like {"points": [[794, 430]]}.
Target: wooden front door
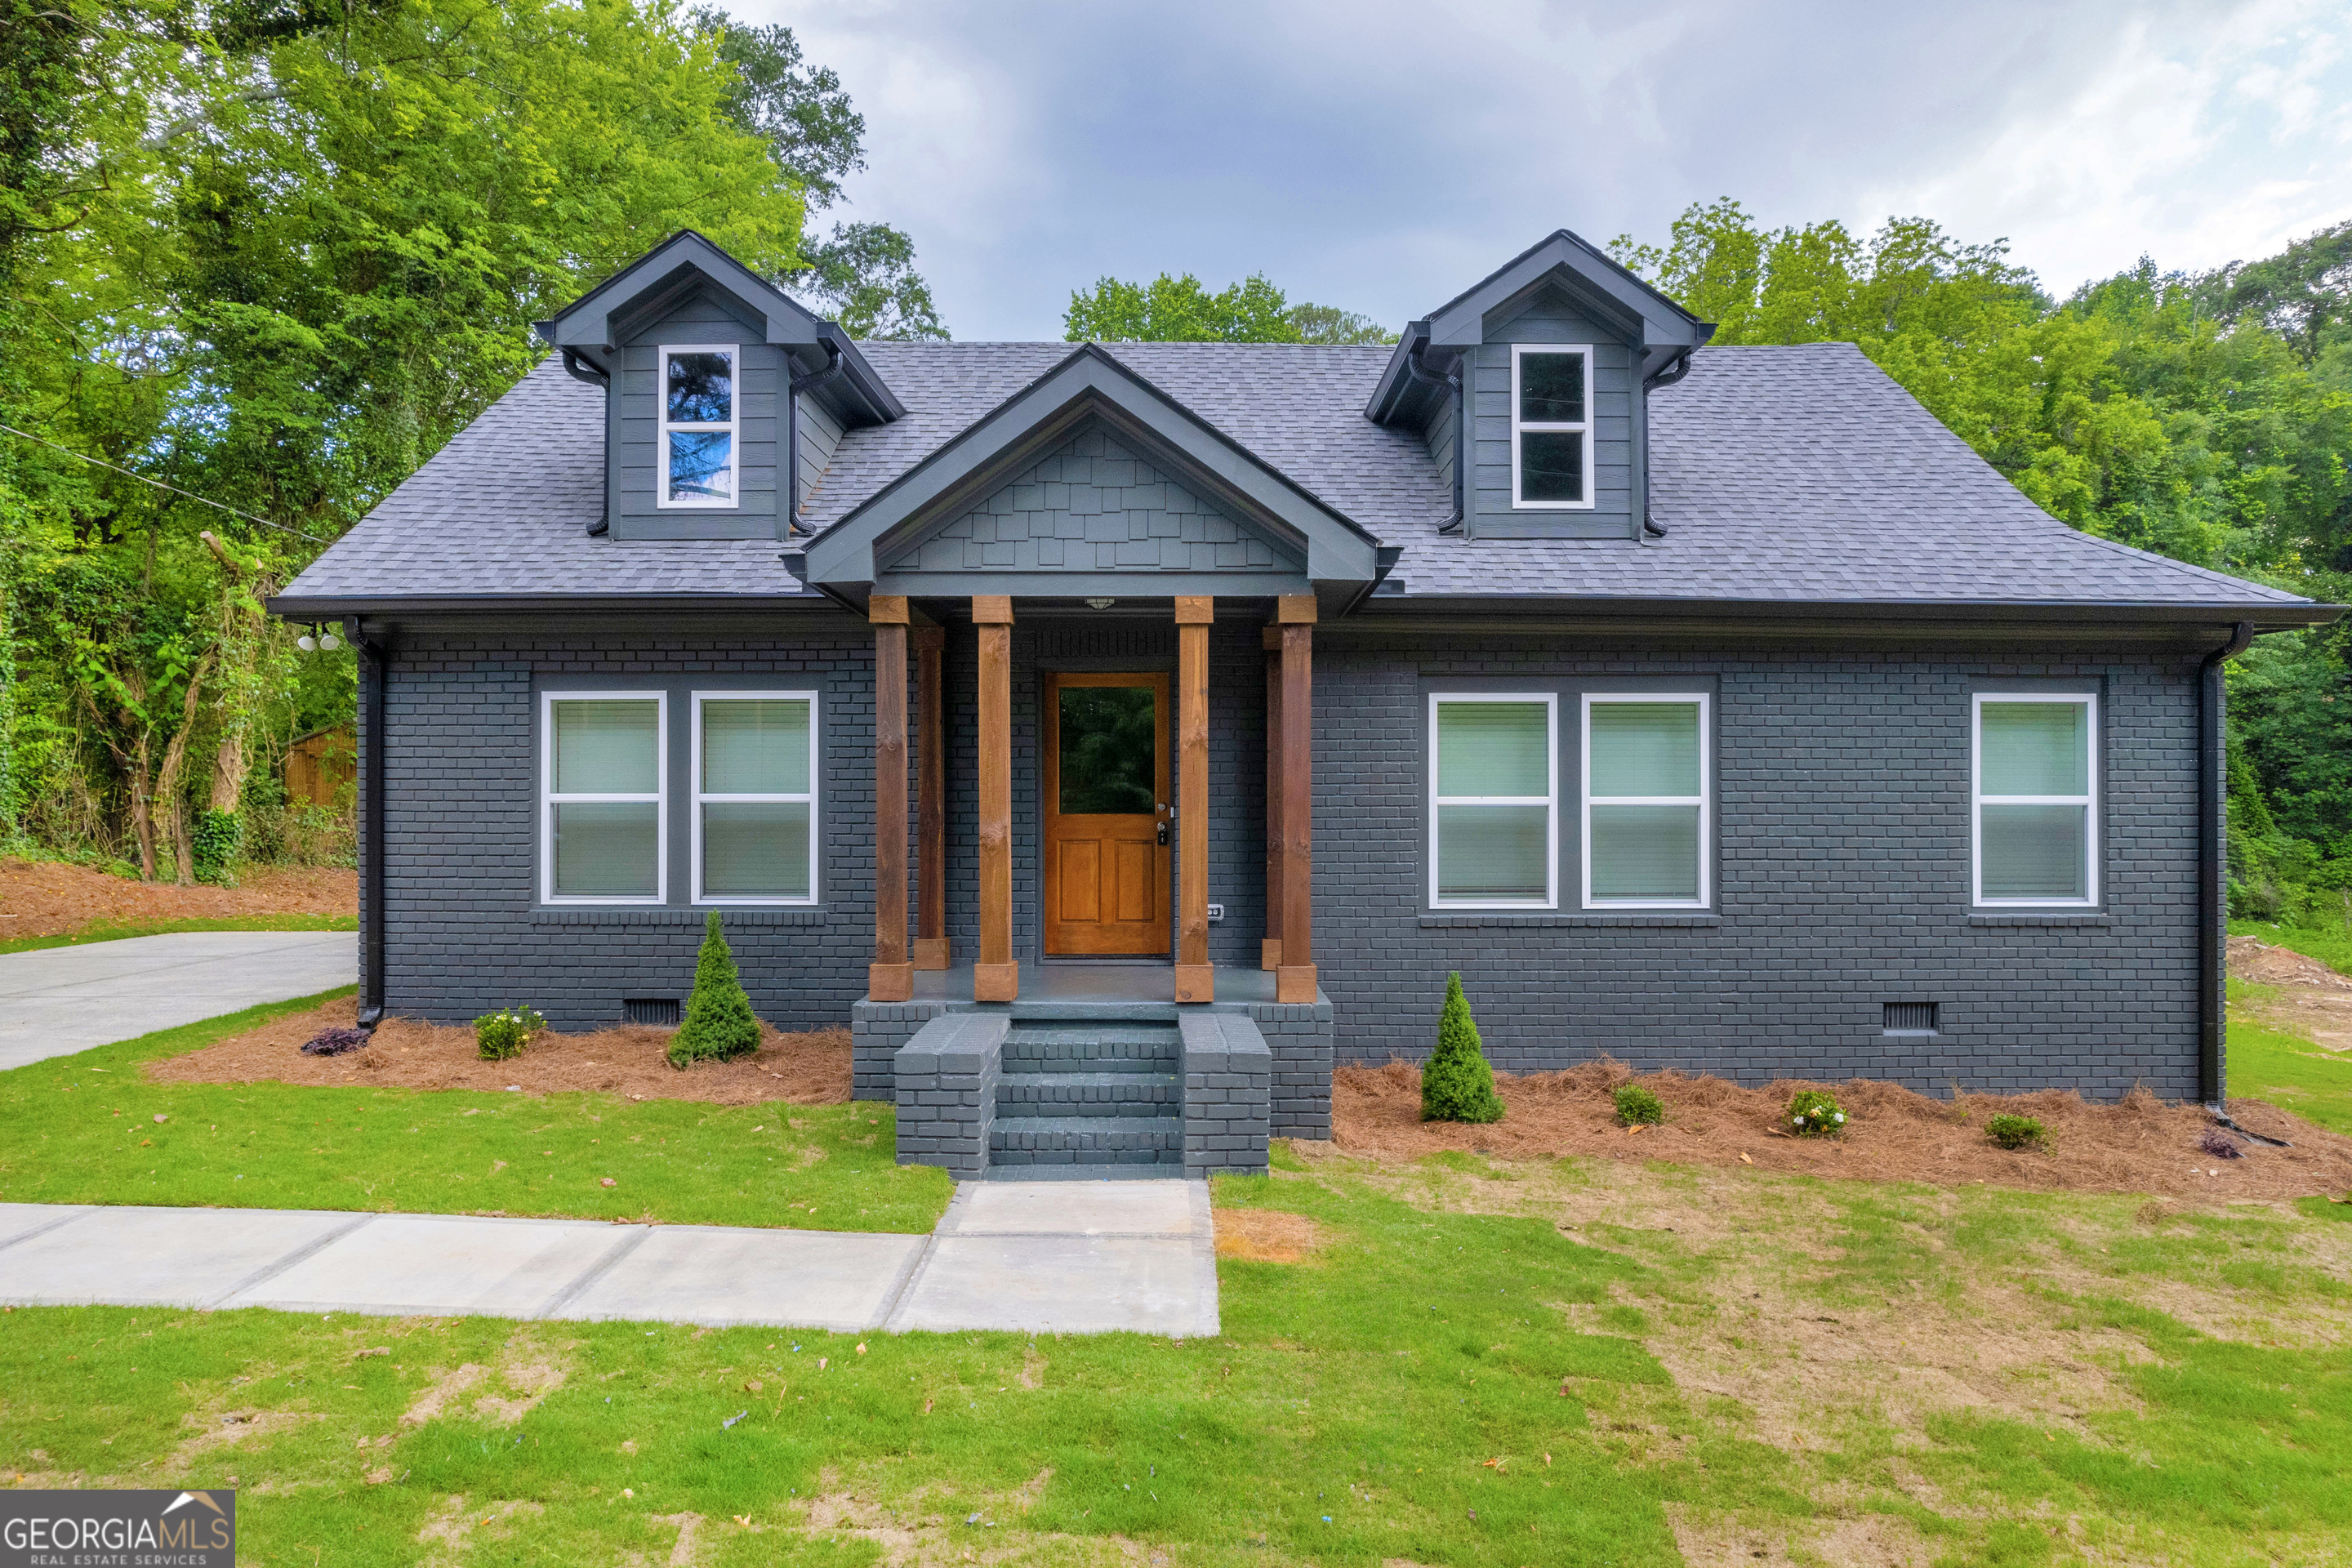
{"points": [[1106, 861]]}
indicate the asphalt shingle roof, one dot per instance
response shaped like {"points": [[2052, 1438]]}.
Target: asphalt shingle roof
{"points": [[1794, 475]]}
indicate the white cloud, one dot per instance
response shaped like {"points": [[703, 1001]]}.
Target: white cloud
{"points": [[1382, 154]]}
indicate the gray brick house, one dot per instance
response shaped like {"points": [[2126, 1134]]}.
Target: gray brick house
{"points": [[1117, 735]]}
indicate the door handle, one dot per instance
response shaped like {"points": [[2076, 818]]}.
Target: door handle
{"points": [[1160, 831]]}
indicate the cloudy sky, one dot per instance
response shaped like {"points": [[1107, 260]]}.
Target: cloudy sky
{"points": [[1381, 155]]}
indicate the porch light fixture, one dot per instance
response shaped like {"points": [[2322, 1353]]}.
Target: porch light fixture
{"points": [[1100, 604], [307, 643]]}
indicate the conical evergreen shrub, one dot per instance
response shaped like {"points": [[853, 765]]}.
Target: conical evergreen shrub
{"points": [[719, 1023], [1456, 1084]]}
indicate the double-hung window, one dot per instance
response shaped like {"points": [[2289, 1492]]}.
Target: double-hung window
{"points": [[1493, 800], [603, 806], [1551, 427], [2035, 762], [754, 797], [699, 425], [1646, 800]]}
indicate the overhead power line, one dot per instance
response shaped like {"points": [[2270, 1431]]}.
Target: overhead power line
{"points": [[142, 479]]}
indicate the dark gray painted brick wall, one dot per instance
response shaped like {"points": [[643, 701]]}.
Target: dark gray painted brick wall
{"points": [[464, 933], [1843, 881], [1842, 872]]}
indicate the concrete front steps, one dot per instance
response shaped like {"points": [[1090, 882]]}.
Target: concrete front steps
{"points": [[1074, 1093], [1089, 1095]]}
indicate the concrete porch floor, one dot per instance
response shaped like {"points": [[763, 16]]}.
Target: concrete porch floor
{"points": [[1095, 981]]}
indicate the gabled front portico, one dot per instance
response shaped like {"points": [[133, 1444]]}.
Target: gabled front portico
{"points": [[1087, 496]]}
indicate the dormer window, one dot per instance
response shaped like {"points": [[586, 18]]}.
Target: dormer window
{"points": [[697, 424], [1551, 427]]}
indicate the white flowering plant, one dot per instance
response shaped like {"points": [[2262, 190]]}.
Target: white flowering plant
{"points": [[503, 1034], [1815, 1113]]}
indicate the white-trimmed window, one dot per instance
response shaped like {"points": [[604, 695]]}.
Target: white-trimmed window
{"points": [[2033, 763], [1646, 800], [755, 797], [603, 807], [1551, 426], [1494, 830], [699, 425]]}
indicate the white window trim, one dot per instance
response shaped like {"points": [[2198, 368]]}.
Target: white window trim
{"points": [[1582, 427], [1704, 800], [2089, 800], [549, 800], [1550, 901], [703, 798], [733, 426]]}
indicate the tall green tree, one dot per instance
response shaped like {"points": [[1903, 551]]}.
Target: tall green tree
{"points": [[275, 252], [863, 273]]}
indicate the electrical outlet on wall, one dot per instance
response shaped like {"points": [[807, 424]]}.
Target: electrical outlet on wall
{"points": [[1216, 912]]}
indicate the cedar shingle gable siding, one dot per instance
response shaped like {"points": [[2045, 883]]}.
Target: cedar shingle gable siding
{"points": [[1092, 504]]}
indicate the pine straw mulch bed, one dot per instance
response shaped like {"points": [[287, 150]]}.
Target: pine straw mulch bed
{"points": [[408, 1053], [45, 897], [2141, 1144]]}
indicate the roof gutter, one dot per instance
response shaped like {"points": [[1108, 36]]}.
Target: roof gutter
{"points": [[834, 363], [1384, 560], [580, 368], [1451, 384], [2212, 928], [376, 657], [1673, 371]]}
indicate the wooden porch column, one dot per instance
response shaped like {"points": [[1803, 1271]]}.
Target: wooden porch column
{"points": [[1293, 978], [996, 977], [889, 978], [1270, 949], [1196, 981], [930, 800]]}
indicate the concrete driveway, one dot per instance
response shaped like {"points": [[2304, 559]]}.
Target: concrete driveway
{"points": [[58, 999]]}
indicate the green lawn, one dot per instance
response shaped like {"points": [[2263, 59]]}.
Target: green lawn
{"points": [[86, 1129], [1584, 1363], [115, 930]]}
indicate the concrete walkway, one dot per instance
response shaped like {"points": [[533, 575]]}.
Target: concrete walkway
{"points": [[58, 999], [1047, 1256]]}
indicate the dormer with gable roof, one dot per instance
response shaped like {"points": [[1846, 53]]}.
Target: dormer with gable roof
{"points": [[1540, 373], [699, 358]]}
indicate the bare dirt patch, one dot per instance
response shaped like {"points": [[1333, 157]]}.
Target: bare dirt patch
{"points": [[43, 898], [2295, 994], [810, 1068], [2140, 1145], [1266, 1235]]}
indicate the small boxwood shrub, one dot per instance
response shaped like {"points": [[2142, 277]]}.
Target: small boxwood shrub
{"points": [[2014, 1132], [1816, 1113], [1637, 1106], [503, 1034]]}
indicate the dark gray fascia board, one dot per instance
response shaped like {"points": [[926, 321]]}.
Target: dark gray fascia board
{"points": [[1338, 549], [588, 321], [329, 608], [1662, 323], [1533, 613]]}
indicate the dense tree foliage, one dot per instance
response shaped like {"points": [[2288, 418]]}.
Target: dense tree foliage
{"points": [[2207, 416], [1171, 309], [274, 253]]}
